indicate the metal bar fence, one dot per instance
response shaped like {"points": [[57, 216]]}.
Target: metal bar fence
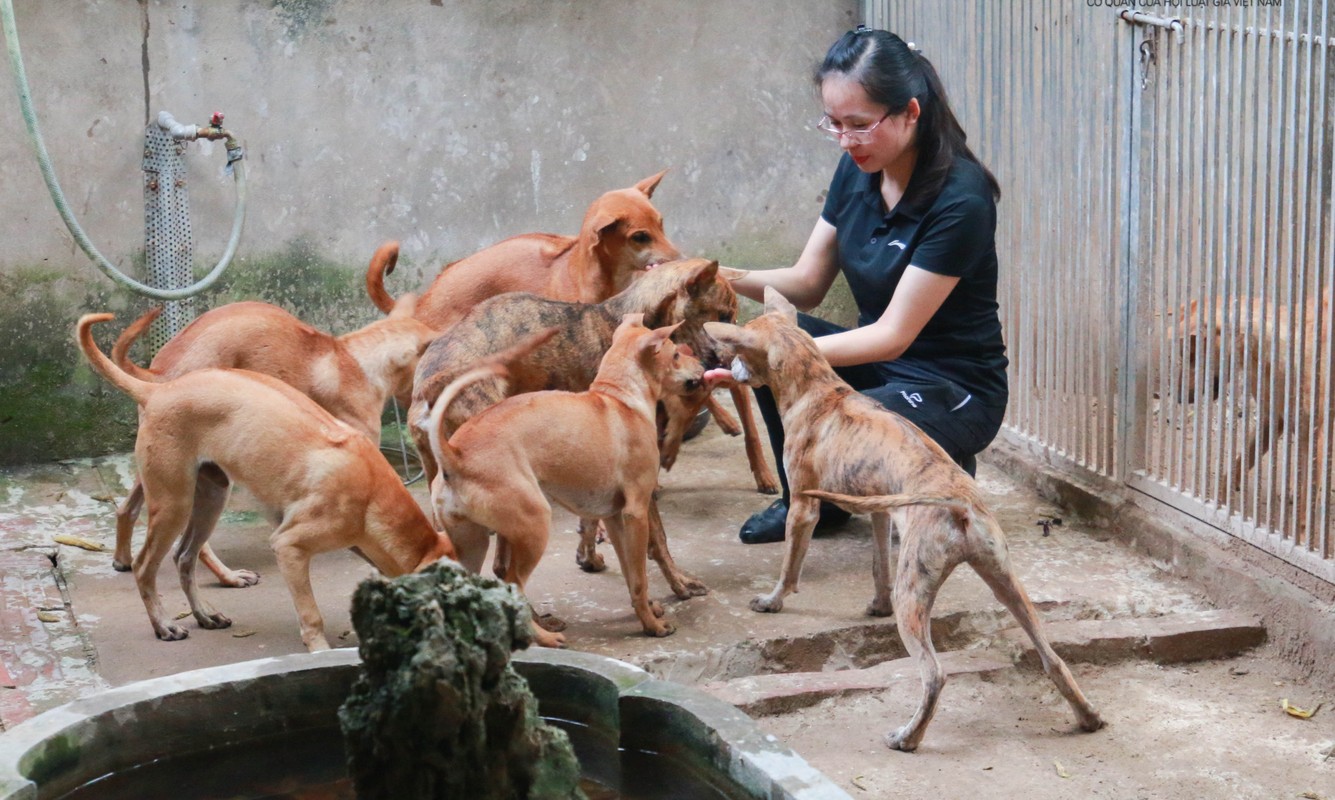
{"points": [[1167, 247]]}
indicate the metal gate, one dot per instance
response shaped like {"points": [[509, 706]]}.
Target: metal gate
{"points": [[1166, 240]]}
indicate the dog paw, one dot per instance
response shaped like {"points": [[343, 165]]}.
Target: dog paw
{"points": [[767, 484], [1091, 722], [590, 563], [766, 604], [239, 579], [547, 639], [656, 608], [213, 621], [665, 629], [687, 587], [172, 633], [876, 609], [120, 566], [899, 740]]}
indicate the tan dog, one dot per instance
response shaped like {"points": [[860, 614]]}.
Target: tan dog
{"points": [[690, 292], [594, 453], [621, 236], [1247, 346], [328, 482], [844, 447], [350, 376]]}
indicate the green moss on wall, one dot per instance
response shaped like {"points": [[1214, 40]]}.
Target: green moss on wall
{"points": [[328, 294], [53, 406]]}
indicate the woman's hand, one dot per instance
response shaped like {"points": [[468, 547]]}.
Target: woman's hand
{"points": [[805, 283]]}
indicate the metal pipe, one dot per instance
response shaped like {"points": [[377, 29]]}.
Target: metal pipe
{"points": [[1141, 18]]}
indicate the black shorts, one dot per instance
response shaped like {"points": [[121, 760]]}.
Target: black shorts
{"points": [[960, 422]]}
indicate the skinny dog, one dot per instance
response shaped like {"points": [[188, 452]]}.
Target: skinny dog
{"points": [[330, 484], [351, 376], [594, 453], [844, 447], [621, 236]]}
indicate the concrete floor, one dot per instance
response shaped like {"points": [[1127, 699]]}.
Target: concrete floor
{"points": [[821, 674]]}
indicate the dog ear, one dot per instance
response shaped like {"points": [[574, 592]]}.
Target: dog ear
{"points": [[777, 303], [655, 341], [702, 276], [603, 223], [729, 274], [726, 333], [650, 183]]}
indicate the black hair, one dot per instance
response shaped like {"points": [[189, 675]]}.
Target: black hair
{"points": [[892, 74]]}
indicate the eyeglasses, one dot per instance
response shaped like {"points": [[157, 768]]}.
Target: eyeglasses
{"points": [[859, 136]]}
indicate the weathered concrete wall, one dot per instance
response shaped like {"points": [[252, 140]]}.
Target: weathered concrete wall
{"points": [[446, 124]]}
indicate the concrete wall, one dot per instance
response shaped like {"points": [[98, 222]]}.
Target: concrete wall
{"points": [[446, 124]]}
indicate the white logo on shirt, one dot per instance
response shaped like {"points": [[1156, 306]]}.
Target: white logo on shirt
{"points": [[913, 399], [896, 243]]}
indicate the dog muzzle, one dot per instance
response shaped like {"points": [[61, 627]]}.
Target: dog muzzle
{"points": [[739, 371]]}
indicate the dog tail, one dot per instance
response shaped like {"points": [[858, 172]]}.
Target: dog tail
{"points": [[120, 351], [887, 502], [134, 387], [382, 264], [496, 364]]}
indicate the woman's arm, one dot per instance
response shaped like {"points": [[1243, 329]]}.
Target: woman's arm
{"points": [[917, 297], [805, 283]]}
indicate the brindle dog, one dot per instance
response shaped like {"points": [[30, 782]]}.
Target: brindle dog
{"points": [[691, 291], [845, 447]]}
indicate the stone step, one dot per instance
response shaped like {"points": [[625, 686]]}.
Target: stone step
{"points": [[1170, 639]]}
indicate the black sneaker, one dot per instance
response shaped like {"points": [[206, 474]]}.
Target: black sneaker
{"points": [[767, 526]]}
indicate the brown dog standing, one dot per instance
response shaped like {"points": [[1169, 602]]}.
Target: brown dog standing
{"points": [[328, 482], [594, 453], [690, 292], [844, 447], [622, 235], [351, 376]]}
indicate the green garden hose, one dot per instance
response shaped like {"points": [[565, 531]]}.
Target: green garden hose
{"points": [[58, 197]]}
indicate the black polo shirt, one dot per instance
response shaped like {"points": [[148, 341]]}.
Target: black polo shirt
{"points": [[952, 234]]}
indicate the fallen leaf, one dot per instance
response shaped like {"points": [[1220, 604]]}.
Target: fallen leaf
{"points": [[1311, 796], [48, 616], [105, 497], [857, 781], [1294, 711], [1061, 771], [242, 634], [79, 541], [183, 615]]}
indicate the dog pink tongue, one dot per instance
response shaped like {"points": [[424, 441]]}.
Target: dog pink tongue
{"points": [[719, 375]]}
